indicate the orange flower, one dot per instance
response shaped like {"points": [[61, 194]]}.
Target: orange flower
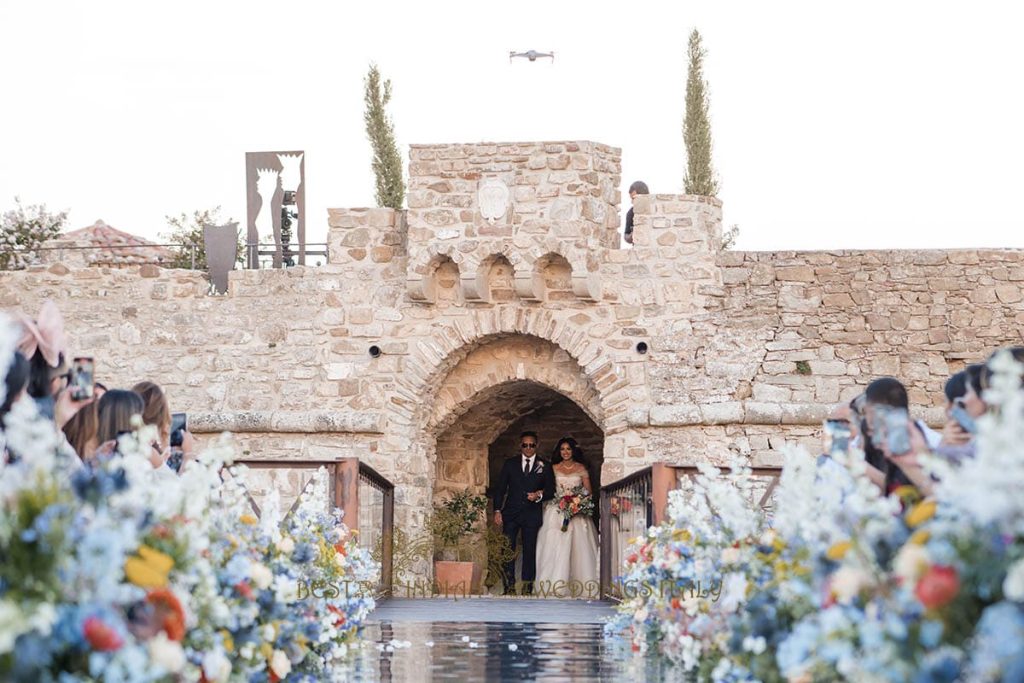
{"points": [[170, 611]]}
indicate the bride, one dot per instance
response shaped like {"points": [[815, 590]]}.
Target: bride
{"points": [[567, 556]]}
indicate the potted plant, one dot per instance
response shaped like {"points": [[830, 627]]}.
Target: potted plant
{"points": [[457, 554]]}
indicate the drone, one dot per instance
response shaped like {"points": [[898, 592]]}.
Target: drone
{"points": [[532, 55]]}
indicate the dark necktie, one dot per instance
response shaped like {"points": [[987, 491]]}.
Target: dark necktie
{"points": [[526, 467]]}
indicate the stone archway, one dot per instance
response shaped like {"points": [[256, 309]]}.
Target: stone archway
{"points": [[502, 386], [515, 381], [473, 447]]}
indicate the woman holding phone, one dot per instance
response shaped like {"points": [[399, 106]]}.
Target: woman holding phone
{"points": [[157, 413]]}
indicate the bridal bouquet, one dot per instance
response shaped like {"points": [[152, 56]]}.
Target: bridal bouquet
{"points": [[576, 502]]}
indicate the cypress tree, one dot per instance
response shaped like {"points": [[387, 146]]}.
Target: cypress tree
{"points": [[387, 163], [700, 176]]}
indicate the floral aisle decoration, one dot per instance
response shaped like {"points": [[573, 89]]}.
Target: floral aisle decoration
{"points": [[119, 572], [846, 584]]}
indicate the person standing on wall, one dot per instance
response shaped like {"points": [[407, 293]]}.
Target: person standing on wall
{"points": [[639, 187]]}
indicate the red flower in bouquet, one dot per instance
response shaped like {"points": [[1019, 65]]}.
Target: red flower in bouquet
{"points": [[938, 586], [575, 502], [101, 637]]}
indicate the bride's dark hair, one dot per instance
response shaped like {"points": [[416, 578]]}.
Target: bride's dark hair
{"points": [[577, 452]]}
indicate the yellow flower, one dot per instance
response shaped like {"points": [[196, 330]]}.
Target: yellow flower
{"points": [[229, 643], [921, 513], [919, 537], [148, 569], [681, 535], [907, 493], [266, 649], [248, 519], [838, 550]]}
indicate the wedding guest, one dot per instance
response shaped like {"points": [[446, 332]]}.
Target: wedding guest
{"points": [[639, 187], [158, 414], [881, 396], [43, 344], [114, 418], [15, 382], [81, 431], [954, 433], [874, 459]]}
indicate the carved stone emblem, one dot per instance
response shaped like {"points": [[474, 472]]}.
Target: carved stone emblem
{"points": [[493, 197]]}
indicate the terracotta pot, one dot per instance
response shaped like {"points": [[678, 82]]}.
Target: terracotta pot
{"points": [[457, 578]]}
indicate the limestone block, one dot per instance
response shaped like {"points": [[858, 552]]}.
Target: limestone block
{"points": [[722, 413], [674, 415]]}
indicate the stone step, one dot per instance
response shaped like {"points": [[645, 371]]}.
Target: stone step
{"points": [[492, 609]]}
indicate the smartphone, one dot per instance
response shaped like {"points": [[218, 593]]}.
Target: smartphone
{"points": [[838, 435], [179, 424], [82, 377], [965, 421], [894, 423]]}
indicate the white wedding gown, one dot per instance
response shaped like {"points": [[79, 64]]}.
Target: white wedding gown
{"points": [[566, 560]]}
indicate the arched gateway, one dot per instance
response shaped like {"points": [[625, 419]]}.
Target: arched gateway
{"points": [[481, 385]]}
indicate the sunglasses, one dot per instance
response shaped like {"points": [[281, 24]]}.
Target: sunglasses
{"points": [[528, 445]]}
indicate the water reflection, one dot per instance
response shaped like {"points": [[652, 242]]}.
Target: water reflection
{"points": [[466, 651]]}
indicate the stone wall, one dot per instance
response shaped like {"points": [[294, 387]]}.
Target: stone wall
{"points": [[675, 350]]}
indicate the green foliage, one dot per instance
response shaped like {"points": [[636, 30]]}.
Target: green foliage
{"points": [[187, 231], [23, 230], [454, 521], [29, 566], [700, 175], [387, 163], [803, 367]]}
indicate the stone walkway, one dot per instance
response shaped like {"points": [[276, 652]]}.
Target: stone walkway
{"points": [[492, 609]]}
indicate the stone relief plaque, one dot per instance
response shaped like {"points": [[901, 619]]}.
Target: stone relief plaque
{"points": [[564, 209], [492, 198]]}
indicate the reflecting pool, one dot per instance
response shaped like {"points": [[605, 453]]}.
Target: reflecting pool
{"points": [[492, 651]]}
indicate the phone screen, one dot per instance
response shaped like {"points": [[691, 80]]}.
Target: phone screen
{"points": [[895, 424], [179, 423], [82, 376], [838, 435], [963, 419]]}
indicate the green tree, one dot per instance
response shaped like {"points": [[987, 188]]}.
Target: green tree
{"points": [[387, 163], [700, 175], [23, 230], [187, 232]]}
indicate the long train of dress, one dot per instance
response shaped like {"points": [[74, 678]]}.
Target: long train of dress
{"points": [[566, 560]]}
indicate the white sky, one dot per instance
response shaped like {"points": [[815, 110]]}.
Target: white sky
{"points": [[836, 125]]}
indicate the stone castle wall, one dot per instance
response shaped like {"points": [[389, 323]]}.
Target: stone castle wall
{"points": [[481, 314]]}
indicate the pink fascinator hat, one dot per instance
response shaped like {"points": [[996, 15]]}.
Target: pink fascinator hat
{"points": [[44, 334]]}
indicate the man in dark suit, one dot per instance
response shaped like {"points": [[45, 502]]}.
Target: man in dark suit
{"points": [[524, 484]]}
